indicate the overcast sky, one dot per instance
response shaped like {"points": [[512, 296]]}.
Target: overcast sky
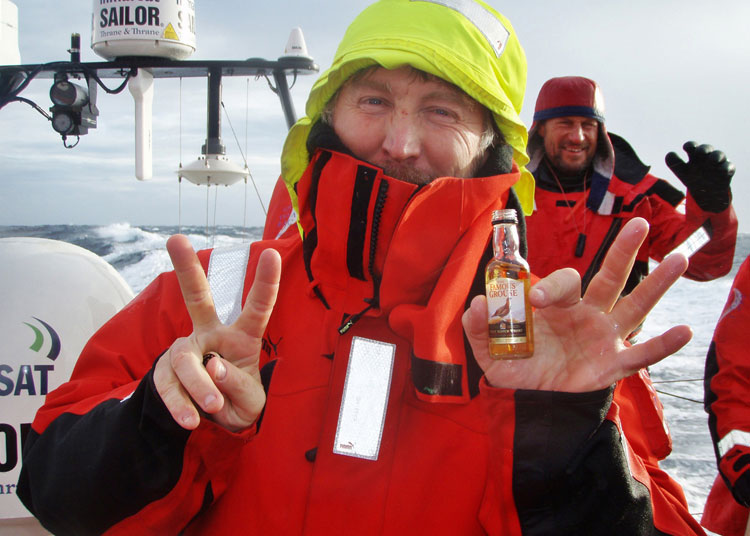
{"points": [[670, 71]]}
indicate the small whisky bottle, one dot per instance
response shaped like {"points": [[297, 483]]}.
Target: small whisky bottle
{"points": [[507, 286]]}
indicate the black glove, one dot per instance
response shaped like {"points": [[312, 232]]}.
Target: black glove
{"points": [[706, 174], [735, 467]]}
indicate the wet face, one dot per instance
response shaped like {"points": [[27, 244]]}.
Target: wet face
{"points": [[570, 142], [415, 127]]}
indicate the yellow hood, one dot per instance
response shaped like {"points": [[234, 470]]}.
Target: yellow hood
{"points": [[462, 41]]}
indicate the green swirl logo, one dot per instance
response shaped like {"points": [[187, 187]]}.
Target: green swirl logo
{"points": [[39, 338]]}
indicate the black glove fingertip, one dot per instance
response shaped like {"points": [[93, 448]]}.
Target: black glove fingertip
{"points": [[689, 146], [717, 157], [728, 169], [673, 160], [704, 150]]}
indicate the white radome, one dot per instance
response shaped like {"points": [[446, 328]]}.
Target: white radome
{"points": [[55, 296]]}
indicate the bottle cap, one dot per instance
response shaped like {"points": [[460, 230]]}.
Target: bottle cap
{"points": [[506, 215]]}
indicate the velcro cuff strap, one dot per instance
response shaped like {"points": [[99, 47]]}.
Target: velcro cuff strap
{"points": [[733, 438]]}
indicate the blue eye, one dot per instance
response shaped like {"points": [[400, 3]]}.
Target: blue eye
{"points": [[443, 114]]}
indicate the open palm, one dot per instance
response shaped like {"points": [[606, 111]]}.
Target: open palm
{"points": [[580, 342]]}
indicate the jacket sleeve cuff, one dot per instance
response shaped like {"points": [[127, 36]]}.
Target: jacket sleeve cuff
{"points": [[211, 440]]}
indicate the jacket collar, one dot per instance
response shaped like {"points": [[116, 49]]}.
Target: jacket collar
{"points": [[411, 252]]}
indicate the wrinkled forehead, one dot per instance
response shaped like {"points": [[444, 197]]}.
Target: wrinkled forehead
{"points": [[368, 77]]}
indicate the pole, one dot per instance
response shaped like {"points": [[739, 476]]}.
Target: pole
{"points": [[282, 89]]}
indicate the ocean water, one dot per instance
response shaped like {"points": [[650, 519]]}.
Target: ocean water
{"points": [[139, 253]]}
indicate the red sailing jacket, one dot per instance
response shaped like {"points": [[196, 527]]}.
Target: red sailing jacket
{"points": [[727, 373], [455, 456], [281, 217], [559, 218]]}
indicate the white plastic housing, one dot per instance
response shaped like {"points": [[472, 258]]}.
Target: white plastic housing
{"points": [[143, 28], [295, 45], [55, 295], [213, 169], [9, 52], [141, 87]]}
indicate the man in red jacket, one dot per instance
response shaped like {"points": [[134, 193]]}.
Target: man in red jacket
{"points": [[354, 392], [589, 182], [726, 400]]}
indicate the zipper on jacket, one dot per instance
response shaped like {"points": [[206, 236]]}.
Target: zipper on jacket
{"points": [[374, 301]]}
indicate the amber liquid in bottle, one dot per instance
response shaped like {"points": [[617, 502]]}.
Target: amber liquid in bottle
{"points": [[507, 287]]}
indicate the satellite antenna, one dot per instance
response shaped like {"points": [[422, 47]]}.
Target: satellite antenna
{"points": [[122, 29], [295, 46], [213, 166]]}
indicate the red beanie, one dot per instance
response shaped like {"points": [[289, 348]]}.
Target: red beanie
{"points": [[569, 96]]}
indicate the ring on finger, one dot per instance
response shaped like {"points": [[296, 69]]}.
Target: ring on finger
{"points": [[208, 356]]}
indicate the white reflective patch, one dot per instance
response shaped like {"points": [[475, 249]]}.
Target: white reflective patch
{"points": [[226, 277], [693, 243], [735, 437], [736, 302], [607, 203], [289, 222], [492, 29], [365, 399]]}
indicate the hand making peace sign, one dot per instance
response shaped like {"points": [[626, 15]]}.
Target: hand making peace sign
{"points": [[227, 389]]}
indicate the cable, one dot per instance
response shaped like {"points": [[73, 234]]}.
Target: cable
{"points": [[33, 105], [237, 141], [179, 204], [294, 80], [179, 177], [244, 210], [680, 397], [270, 84], [678, 381], [65, 142], [216, 198], [208, 189], [247, 110], [179, 109], [130, 74], [29, 77], [247, 121]]}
